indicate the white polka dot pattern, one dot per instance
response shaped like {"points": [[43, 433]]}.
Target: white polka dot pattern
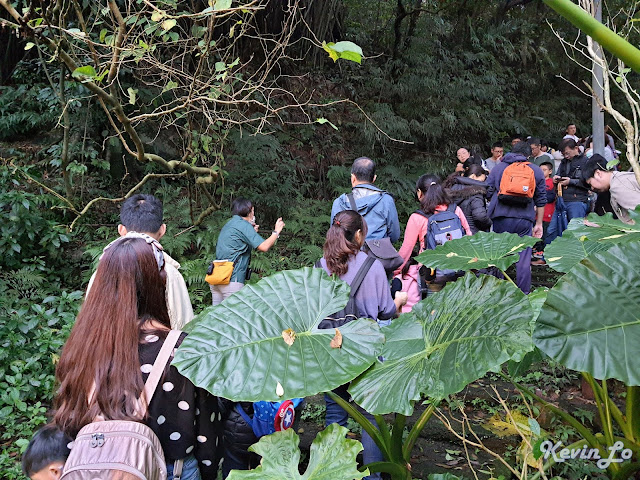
{"points": [[175, 436], [182, 405], [161, 419], [206, 463], [146, 368], [151, 338], [189, 450], [202, 438], [167, 386]]}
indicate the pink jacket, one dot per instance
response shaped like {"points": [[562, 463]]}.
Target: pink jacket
{"points": [[417, 231], [410, 284]]}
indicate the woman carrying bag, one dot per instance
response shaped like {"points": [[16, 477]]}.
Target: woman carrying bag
{"points": [[112, 350]]}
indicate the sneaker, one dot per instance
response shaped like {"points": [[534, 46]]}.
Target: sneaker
{"points": [[538, 255], [538, 261]]}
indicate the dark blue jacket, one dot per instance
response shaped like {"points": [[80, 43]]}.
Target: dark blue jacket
{"points": [[499, 209]]}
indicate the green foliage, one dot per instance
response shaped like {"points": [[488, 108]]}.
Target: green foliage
{"points": [[332, 457], [25, 110], [347, 50], [588, 236], [26, 225], [565, 252], [34, 325]]}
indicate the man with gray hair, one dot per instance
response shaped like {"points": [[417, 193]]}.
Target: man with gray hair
{"points": [[375, 205]]}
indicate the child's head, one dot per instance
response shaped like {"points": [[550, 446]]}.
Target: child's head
{"points": [[547, 169], [46, 454]]}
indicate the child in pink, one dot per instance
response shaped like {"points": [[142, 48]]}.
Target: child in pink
{"points": [[408, 280]]}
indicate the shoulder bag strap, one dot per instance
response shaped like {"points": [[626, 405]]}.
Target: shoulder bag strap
{"points": [[161, 362], [352, 202], [318, 264], [154, 378], [362, 272]]}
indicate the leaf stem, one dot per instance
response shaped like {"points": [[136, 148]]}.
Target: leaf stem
{"points": [[415, 431], [508, 277]]}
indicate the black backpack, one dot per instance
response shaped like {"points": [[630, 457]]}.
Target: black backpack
{"points": [[350, 311]]}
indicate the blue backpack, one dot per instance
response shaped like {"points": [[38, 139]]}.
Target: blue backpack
{"points": [[442, 227], [270, 417]]}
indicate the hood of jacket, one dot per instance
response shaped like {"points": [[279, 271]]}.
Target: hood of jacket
{"points": [[366, 195], [514, 157], [458, 192], [464, 188]]}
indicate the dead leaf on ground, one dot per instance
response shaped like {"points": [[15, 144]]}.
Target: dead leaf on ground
{"points": [[336, 341], [289, 336]]}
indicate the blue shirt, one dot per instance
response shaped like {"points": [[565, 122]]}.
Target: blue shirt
{"points": [[235, 242]]}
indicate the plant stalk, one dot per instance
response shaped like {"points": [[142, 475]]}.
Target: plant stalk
{"points": [[633, 413], [415, 432], [364, 423]]}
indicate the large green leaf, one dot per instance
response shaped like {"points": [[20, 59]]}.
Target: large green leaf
{"points": [[605, 228], [587, 236], [332, 457], [590, 321], [236, 350], [565, 252], [449, 340], [482, 250]]}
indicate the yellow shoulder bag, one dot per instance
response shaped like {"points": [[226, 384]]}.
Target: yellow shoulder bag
{"points": [[219, 272]]}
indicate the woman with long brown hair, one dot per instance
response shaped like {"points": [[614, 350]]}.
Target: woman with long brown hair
{"points": [[343, 257], [112, 346]]}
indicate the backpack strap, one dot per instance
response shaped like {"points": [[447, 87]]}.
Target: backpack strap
{"points": [[452, 207], [362, 272], [161, 362], [244, 415], [421, 212], [352, 202]]}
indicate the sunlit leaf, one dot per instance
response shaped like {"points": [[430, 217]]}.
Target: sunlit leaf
{"points": [[346, 50], [237, 349], [449, 340], [482, 250], [168, 24]]}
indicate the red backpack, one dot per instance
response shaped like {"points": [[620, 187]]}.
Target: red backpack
{"points": [[518, 184]]}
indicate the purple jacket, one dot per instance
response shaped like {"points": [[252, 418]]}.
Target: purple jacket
{"points": [[374, 295], [499, 209]]}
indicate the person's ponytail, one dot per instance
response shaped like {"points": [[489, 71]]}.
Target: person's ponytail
{"points": [[433, 193], [341, 242]]}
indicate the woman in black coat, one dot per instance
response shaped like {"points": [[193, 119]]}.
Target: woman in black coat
{"points": [[469, 192]]}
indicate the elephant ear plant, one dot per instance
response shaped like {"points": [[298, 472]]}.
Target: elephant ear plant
{"points": [[590, 322], [263, 344]]}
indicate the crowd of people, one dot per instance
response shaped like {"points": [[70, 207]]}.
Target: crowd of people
{"points": [[115, 365]]}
